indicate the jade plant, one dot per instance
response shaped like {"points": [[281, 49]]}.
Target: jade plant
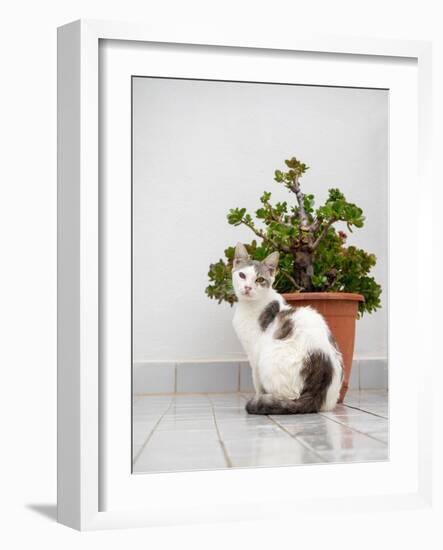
{"points": [[314, 256]]}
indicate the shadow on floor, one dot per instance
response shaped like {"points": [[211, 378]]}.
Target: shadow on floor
{"points": [[46, 510]]}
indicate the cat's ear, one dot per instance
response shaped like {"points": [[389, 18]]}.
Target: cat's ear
{"points": [[241, 255], [271, 262]]}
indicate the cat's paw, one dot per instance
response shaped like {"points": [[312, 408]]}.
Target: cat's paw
{"points": [[251, 406], [256, 405]]}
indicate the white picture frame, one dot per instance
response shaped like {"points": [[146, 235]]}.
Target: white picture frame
{"points": [[95, 487]]}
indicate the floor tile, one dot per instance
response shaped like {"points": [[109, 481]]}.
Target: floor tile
{"points": [[254, 431], [180, 432], [177, 424], [366, 423], [136, 449], [180, 414], [168, 451], [160, 460], [233, 413], [300, 419], [356, 455], [245, 421], [184, 440], [141, 431], [343, 410], [346, 440], [275, 451], [328, 429]]}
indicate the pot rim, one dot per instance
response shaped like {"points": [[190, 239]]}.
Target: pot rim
{"points": [[349, 296]]}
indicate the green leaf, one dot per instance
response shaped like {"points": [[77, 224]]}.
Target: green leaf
{"points": [[235, 215], [265, 197]]}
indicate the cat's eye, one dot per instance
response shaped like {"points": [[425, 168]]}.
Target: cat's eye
{"points": [[242, 275], [259, 280]]}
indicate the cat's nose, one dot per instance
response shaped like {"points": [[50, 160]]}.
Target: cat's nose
{"points": [[248, 288]]}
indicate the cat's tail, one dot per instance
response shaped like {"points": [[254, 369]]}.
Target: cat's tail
{"points": [[272, 404], [317, 373]]}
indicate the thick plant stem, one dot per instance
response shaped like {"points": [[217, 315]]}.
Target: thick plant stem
{"points": [[301, 202], [303, 268]]}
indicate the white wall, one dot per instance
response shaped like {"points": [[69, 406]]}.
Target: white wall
{"points": [[201, 148]]}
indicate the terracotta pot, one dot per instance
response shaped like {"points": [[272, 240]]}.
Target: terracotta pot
{"points": [[340, 310]]}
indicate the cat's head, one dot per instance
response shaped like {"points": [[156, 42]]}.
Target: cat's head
{"points": [[251, 279]]}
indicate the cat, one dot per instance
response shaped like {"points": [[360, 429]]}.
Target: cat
{"points": [[296, 365]]}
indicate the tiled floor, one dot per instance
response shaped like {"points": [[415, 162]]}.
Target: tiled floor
{"points": [[208, 431]]}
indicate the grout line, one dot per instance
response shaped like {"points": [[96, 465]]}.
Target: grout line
{"points": [[239, 376], [300, 441], [220, 440], [306, 445], [175, 377], [270, 419], [366, 411], [142, 448], [353, 429]]}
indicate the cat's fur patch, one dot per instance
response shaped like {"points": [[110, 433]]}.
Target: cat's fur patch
{"points": [[268, 314]]}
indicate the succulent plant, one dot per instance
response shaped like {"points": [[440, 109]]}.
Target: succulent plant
{"points": [[314, 256]]}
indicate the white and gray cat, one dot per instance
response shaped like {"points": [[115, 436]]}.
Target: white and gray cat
{"points": [[296, 366]]}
